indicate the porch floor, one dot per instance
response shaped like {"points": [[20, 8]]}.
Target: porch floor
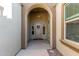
{"points": [[38, 48]]}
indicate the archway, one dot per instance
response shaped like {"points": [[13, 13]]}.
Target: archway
{"points": [[39, 27], [44, 6]]}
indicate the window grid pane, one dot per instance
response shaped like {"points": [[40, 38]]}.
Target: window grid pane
{"points": [[72, 27], [71, 10]]}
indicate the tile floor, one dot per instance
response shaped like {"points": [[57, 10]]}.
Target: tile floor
{"points": [[35, 48], [39, 48]]}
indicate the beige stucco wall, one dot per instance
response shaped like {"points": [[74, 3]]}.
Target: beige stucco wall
{"points": [[27, 8], [61, 47]]}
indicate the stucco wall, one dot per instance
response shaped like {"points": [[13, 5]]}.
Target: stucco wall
{"points": [[27, 8], [61, 47], [42, 20], [10, 33]]}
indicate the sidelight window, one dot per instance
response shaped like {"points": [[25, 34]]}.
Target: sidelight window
{"points": [[44, 30], [32, 30]]}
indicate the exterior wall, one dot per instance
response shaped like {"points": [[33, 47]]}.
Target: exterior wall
{"points": [[27, 8], [10, 33], [60, 46]]}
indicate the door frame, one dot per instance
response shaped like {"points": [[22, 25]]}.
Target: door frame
{"points": [[24, 24]]}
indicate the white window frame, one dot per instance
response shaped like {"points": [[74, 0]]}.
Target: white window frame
{"points": [[73, 44]]}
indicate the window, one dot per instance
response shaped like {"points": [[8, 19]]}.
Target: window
{"points": [[71, 11], [72, 31], [70, 27], [32, 30], [44, 30]]}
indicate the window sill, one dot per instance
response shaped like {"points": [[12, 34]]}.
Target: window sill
{"points": [[71, 44]]}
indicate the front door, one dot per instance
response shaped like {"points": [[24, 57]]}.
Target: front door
{"points": [[38, 31]]}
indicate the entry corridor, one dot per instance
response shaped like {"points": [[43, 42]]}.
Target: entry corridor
{"points": [[35, 48]]}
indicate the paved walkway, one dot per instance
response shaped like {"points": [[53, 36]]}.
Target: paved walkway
{"points": [[35, 48]]}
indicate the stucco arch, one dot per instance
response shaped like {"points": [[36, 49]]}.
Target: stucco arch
{"points": [[46, 7]]}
